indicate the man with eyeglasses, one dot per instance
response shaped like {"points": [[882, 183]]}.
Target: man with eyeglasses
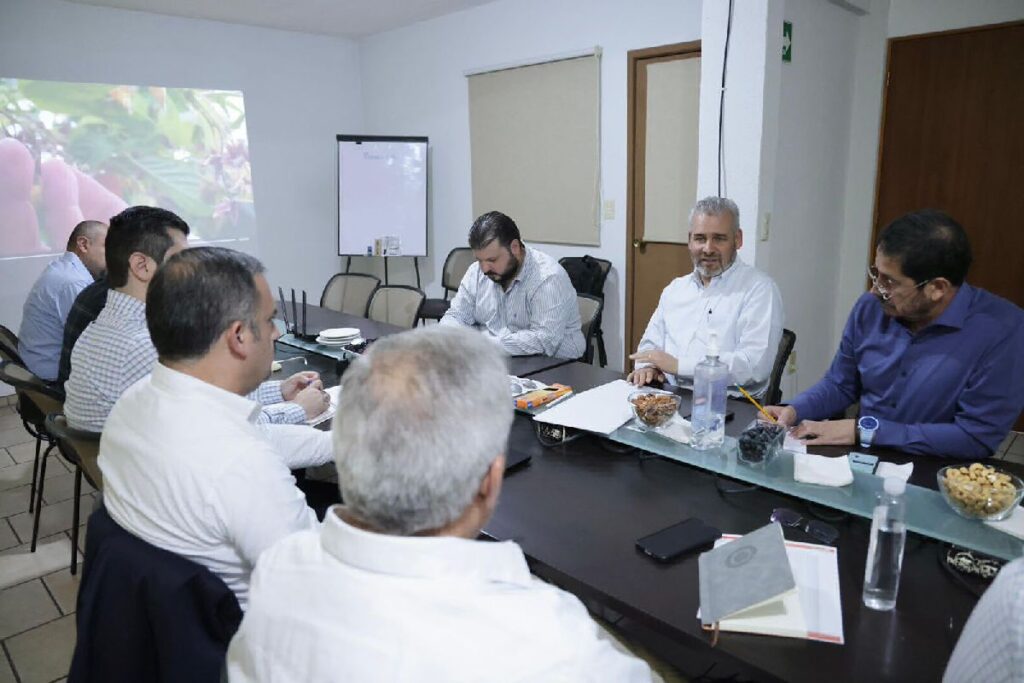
{"points": [[936, 364]]}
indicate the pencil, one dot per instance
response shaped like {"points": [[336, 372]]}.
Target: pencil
{"points": [[756, 404]]}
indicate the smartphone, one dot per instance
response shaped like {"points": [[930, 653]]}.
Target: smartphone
{"points": [[863, 462], [678, 539]]}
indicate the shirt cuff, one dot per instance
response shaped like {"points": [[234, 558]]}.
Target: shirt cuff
{"points": [[269, 393], [283, 413]]}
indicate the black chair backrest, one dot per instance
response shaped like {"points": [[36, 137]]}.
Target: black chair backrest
{"points": [[9, 346], [36, 398], [773, 396], [455, 266], [587, 274], [147, 614], [78, 446], [590, 316]]}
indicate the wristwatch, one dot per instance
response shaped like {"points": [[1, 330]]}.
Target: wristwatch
{"points": [[866, 428]]}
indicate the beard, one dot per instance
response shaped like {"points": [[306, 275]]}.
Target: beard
{"points": [[505, 278], [711, 268]]}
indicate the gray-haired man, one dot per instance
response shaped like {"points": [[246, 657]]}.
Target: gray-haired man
{"points": [[394, 586], [723, 295]]}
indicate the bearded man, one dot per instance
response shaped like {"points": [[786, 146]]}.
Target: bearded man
{"points": [[518, 297], [723, 295]]}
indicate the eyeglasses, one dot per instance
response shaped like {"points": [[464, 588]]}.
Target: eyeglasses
{"points": [[886, 286], [826, 533]]}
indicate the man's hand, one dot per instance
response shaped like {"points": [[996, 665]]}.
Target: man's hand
{"points": [[291, 387], [313, 399], [827, 432], [786, 415], [658, 359], [645, 375]]}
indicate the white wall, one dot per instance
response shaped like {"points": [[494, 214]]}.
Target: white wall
{"points": [[413, 84], [888, 19], [300, 90]]}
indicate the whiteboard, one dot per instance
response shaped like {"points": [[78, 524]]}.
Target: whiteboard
{"points": [[382, 196]]}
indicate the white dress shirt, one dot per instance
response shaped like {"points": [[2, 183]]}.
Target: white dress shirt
{"points": [[41, 336], [343, 604], [115, 351], [537, 314], [742, 305], [991, 646], [187, 469]]}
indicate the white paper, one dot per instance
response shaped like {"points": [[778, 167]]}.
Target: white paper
{"points": [[334, 392], [602, 409], [814, 611], [819, 469], [793, 445]]}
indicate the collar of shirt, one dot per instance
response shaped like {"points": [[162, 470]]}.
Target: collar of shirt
{"points": [[71, 259], [956, 312], [125, 307], [179, 384], [422, 556]]}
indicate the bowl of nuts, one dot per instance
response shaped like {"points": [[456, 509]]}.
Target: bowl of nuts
{"points": [[653, 408], [979, 491]]}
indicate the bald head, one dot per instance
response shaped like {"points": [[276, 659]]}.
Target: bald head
{"points": [[88, 242]]}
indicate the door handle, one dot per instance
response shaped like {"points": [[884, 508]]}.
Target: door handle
{"points": [[638, 244]]}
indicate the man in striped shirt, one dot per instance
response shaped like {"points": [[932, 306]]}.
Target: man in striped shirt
{"points": [[520, 298]]}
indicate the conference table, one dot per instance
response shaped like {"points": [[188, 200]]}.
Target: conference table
{"points": [[577, 509]]}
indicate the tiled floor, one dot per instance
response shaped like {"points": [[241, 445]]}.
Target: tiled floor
{"points": [[37, 591]]}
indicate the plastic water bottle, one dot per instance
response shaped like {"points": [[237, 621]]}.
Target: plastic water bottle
{"points": [[710, 380], [885, 554]]}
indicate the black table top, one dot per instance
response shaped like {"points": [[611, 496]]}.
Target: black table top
{"points": [[578, 509]]}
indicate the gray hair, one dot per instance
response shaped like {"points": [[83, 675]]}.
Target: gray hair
{"points": [[420, 420], [717, 206]]}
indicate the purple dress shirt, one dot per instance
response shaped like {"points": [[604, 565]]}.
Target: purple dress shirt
{"points": [[955, 388]]}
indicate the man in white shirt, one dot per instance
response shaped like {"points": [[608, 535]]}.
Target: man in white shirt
{"points": [[723, 295], [185, 466], [519, 297], [115, 350], [394, 586], [48, 304]]}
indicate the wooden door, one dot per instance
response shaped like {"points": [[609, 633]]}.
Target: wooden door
{"points": [[953, 139], [664, 96]]}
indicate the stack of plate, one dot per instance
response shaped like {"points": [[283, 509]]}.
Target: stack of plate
{"points": [[338, 336]]}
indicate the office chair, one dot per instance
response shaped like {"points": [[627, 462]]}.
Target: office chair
{"points": [[349, 293], [396, 304], [455, 266], [590, 312], [588, 276], [773, 395], [81, 448]]}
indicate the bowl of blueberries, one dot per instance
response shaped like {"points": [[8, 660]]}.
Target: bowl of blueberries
{"points": [[761, 441]]}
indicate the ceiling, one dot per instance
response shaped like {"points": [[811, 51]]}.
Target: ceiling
{"points": [[345, 18]]}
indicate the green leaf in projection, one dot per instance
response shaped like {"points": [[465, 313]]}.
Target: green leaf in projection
{"points": [[178, 181], [59, 98]]}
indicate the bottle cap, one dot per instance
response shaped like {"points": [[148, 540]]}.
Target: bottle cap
{"points": [[894, 486], [713, 345]]}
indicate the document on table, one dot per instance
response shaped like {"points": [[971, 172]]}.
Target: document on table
{"points": [[602, 409], [334, 392], [814, 611]]}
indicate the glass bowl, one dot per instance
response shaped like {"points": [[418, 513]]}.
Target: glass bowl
{"points": [[978, 491], [653, 408], [761, 441]]}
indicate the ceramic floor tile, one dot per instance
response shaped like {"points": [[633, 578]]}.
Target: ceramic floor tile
{"points": [[7, 537], [5, 458], [6, 673], [44, 653], [55, 518], [25, 606], [9, 418], [15, 501], [64, 588], [62, 487], [21, 475], [20, 564], [12, 436], [81, 537], [25, 452]]}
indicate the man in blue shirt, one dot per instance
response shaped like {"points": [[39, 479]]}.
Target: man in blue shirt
{"points": [[936, 364], [47, 306]]}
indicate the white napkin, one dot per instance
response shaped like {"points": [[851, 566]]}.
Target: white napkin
{"points": [[889, 469], [1013, 525], [793, 445], [818, 469], [678, 429]]}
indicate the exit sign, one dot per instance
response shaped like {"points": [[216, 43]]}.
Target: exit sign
{"points": [[787, 41]]}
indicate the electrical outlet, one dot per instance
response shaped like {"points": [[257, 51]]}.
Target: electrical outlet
{"points": [[791, 363], [608, 210], [762, 229]]}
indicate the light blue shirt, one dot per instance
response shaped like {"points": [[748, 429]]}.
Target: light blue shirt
{"points": [[46, 311]]}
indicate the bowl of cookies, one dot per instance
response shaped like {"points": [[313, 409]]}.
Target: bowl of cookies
{"points": [[978, 491], [653, 408]]}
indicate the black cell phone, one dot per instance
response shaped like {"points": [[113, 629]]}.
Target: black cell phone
{"points": [[678, 539]]}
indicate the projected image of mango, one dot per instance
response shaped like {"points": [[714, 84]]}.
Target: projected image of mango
{"points": [[75, 151]]}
